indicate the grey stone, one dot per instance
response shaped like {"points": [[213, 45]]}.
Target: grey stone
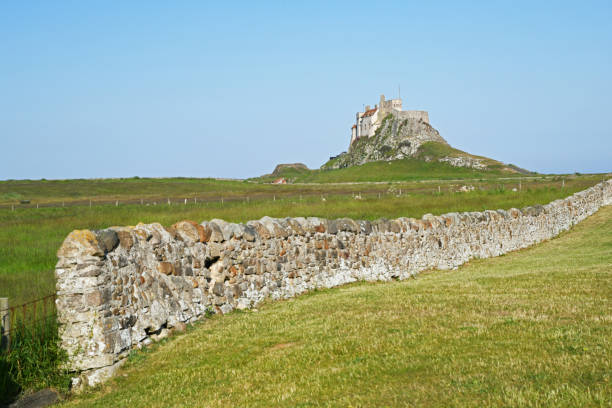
{"points": [[365, 227], [39, 399], [107, 239], [332, 227]]}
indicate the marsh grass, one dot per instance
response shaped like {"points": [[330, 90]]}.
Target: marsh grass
{"points": [[531, 328]]}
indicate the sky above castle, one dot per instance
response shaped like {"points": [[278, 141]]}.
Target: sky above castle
{"points": [[230, 89]]}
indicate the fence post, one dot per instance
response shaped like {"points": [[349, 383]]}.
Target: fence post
{"points": [[5, 323]]}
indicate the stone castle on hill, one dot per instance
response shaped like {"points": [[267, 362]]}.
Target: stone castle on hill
{"points": [[387, 133], [369, 120]]}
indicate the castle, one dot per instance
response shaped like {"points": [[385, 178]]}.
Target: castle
{"points": [[370, 119]]}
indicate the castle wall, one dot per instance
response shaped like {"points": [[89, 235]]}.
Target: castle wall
{"points": [[368, 125], [391, 105], [413, 114], [121, 288]]}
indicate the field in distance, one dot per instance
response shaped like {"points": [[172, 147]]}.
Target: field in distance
{"points": [[531, 328], [30, 237]]}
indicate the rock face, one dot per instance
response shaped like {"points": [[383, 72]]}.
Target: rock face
{"points": [[123, 287], [464, 162], [395, 139]]}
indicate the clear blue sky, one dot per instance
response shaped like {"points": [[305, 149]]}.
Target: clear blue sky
{"points": [[229, 89]]}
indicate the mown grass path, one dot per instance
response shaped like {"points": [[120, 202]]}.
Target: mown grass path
{"points": [[532, 328]]}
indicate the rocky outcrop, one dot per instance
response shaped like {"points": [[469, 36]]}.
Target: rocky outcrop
{"points": [[123, 287], [395, 139], [280, 168], [464, 161], [401, 138]]}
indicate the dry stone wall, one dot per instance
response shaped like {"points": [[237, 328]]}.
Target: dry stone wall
{"points": [[122, 287]]}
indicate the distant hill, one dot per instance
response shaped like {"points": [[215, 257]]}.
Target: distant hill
{"points": [[398, 138], [400, 150], [286, 169]]}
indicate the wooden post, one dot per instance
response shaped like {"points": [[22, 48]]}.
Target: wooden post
{"points": [[5, 324]]}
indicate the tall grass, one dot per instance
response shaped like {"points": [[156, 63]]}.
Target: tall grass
{"points": [[35, 359]]}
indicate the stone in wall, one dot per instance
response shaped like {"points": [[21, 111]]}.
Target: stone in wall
{"points": [[123, 287]]}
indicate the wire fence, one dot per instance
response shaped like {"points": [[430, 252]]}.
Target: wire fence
{"points": [[36, 319], [216, 198], [191, 199]]}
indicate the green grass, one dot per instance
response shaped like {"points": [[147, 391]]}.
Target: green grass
{"points": [[395, 170], [56, 191], [529, 329], [35, 359], [133, 190], [30, 237], [436, 150]]}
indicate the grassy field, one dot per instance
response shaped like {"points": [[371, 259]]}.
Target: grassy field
{"points": [[30, 237], [424, 165], [397, 170], [529, 329], [159, 190]]}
